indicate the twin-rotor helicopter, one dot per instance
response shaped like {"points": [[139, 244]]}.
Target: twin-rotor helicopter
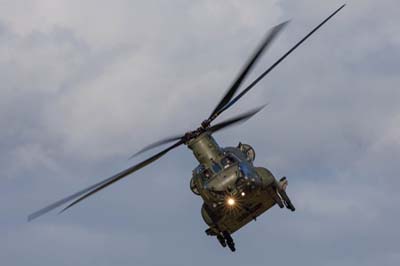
{"points": [[234, 191]]}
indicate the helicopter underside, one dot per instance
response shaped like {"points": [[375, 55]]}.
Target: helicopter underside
{"points": [[225, 221]]}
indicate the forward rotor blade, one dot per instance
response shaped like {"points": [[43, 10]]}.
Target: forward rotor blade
{"points": [[232, 90], [235, 120], [98, 186], [276, 63], [63, 201], [156, 144], [125, 173]]}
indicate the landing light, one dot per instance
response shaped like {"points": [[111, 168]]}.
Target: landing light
{"points": [[230, 201]]}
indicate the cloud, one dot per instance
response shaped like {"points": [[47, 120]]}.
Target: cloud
{"points": [[85, 84]]}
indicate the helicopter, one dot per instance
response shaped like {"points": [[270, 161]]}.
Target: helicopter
{"points": [[234, 191]]}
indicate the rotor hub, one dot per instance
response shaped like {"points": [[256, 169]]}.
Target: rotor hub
{"points": [[206, 124]]}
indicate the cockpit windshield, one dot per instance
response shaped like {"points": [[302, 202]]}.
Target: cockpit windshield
{"points": [[248, 171], [228, 161]]}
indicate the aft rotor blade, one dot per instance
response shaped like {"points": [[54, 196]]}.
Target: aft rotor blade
{"points": [[235, 120], [277, 63], [156, 144], [232, 90], [98, 186]]}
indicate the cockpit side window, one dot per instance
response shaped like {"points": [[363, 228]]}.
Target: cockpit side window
{"points": [[199, 169]]}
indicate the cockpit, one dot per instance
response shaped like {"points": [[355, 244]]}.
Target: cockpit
{"points": [[233, 174]]}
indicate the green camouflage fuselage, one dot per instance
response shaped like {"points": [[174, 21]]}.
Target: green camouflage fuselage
{"points": [[233, 190]]}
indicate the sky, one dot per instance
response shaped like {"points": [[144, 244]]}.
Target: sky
{"points": [[85, 84]]}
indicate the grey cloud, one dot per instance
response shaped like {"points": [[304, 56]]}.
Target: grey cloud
{"points": [[85, 84]]}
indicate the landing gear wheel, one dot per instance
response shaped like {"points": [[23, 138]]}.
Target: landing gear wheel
{"points": [[229, 241], [290, 206], [231, 246], [287, 201], [221, 240]]}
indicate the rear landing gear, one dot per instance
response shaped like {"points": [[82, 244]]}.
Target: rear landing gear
{"points": [[282, 192], [278, 200]]}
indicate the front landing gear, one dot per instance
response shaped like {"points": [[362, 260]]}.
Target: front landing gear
{"points": [[224, 238], [221, 240], [229, 241]]}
